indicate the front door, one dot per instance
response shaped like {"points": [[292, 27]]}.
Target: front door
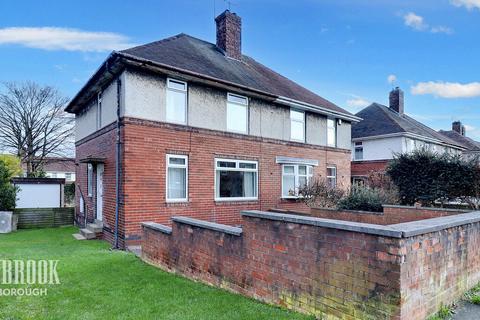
{"points": [[100, 191]]}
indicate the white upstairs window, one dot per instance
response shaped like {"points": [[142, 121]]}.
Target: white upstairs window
{"points": [[237, 113], [297, 125], [295, 177], [358, 152], [177, 178], [176, 101], [331, 132]]}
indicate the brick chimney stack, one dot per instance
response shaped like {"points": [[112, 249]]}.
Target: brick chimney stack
{"points": [[397, 100], [229, 34], [458, 127]]}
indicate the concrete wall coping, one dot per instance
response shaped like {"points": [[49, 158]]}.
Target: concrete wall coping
{"points": [[400, 230], [425, 208], [414, 228], [327, 223], [209, 225], [158, 227]]}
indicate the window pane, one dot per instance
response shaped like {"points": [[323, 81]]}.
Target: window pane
{"points": [[331, 171], [177, 161], [177, 85], [236, 184], [249, 184], [296, 115], [332, 182], [310, 170], [302, 170], [331, 137], [226, 164], [177, 181], [289, 169], [176, 105], [288, 185], [236, 117], [302, 181], [248, 165], [237, 99], [297, 131]]}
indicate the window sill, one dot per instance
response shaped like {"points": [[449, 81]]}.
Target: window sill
{"points": [[235, 201], [177, 203]]}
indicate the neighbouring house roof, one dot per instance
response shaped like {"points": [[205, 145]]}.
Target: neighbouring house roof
{"points": [[380, 120], [187, 54], [469, 144], [57, 164]]}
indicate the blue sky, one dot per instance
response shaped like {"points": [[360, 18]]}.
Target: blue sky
{"points": [[350, 52]]}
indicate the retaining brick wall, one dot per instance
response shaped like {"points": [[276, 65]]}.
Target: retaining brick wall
{"points": [[332, 268], [364, 168], [390, 214]]}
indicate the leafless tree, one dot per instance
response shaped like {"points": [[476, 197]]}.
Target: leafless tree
{"points": [[33, 124], [320, 193]]}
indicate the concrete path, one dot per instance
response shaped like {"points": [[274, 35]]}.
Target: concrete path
{"points": [[467, 311]]}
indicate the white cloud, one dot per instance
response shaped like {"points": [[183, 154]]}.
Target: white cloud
{"points": [[447, 89], [418, 23], [53, 38], [357, 102], [469, 4], [392, 78], [469, 127]]}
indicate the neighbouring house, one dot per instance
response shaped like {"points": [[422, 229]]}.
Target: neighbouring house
{"points": [[182, 126], [386, 131], [58, 167], [459, 134]]}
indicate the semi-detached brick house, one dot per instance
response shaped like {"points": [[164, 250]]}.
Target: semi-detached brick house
{"points": [[202, 131]]}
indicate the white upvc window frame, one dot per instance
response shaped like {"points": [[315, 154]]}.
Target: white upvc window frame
{"points": [[237, 168], [233, 98], [334, 128], [334, 176], [99, 111], [170, 88], [296, 174], [181, 166], [90, 179], [357, 145], [303, 122]]}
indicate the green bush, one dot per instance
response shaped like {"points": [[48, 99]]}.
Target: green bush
{"points": [[363, 199], [8, 193], [69, 192]]}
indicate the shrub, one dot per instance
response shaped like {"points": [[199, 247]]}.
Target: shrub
{"points": [[364, 199], [8, 193], [69, 192], [319, 193]]}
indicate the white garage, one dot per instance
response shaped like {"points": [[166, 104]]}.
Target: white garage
{"points": [[39, 192]]}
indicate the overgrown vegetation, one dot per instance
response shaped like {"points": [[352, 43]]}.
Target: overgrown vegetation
{"points": [[319, 193], [473, 296], [445, 312], [364, 199], [427, 177], [69, 193], [13, 164], [8, 193]]}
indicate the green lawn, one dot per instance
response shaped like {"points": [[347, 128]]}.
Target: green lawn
{"points": [[97, 283]]}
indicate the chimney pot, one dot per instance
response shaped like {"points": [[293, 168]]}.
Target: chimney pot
{"points": [[397, 100], [229, 34]]}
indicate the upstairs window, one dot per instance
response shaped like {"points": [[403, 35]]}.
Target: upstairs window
{"points": [[176, 101], [237, 113], [177, 178], [332, 176], [331, 132], [236, 179], [297, 125], [90, 180], [293, 178], [358, 152], [99, 110]]}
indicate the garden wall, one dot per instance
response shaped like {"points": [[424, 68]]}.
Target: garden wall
{"points": [[337, 269]]}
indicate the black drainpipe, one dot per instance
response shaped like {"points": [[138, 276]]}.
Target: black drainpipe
{"points": [[117, 164]]}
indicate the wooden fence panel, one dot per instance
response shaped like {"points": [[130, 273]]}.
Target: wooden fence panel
{"points": [[31, 218]]}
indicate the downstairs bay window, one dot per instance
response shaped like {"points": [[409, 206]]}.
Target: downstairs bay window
{"points": [[236, 180], [294, 177]]}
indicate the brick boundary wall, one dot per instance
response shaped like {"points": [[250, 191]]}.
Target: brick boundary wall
{"points": [[391, 214], [331, 268]]}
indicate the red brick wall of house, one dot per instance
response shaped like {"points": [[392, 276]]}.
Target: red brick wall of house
{"points": [[364, 168], [390, 214], [318, 270], [144, 149]]}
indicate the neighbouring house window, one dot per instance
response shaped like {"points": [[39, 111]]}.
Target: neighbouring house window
{"points": [[177, 178], [176, 101], [297, 125], [68, 176], [293, 178], [332, 176], [90, 179], [52, 175], [358, 151], [82, 205], [99, 110], [237, 113], [357, 181], [236, 179], [331, 132]]}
